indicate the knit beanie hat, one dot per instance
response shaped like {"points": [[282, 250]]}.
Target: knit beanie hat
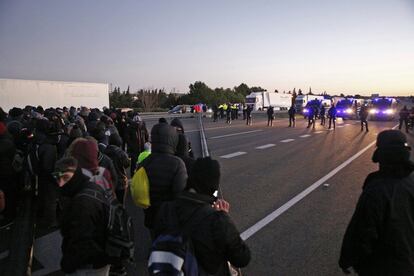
{"points": [[86, 152]]}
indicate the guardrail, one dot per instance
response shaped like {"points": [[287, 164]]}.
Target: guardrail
{"points": [[203, 140]]}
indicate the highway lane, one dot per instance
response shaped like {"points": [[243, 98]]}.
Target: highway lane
{"points": [[306, 239]]}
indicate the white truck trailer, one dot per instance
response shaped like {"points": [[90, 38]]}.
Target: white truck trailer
{"points": [[302, 100], [19, 93], [263, 100]]}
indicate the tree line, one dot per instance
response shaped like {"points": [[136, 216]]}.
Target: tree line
{"points": [[146, 100], [158, 100]]}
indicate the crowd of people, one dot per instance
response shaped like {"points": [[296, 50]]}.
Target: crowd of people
{"points": [[64, 152]]}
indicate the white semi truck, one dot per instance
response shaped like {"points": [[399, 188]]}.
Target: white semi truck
{"points": [[19, 93], [302, 100], [263, 100]]}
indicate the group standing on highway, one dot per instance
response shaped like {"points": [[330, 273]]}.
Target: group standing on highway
{"points": [[77, 160]]}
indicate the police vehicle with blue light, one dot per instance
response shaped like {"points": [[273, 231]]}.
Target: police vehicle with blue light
{"points": [[383, 108], [349, 108]]}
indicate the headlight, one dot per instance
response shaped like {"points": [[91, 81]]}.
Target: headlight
{"points": [[373, 111], [349, 111], [389, 111], [305, 110]]}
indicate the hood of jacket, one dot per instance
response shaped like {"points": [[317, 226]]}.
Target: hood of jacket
{"points": [[75, 184], [164, 139], [178, 124]]}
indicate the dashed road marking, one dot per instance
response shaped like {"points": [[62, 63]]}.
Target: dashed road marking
{"points": [[265, 146], [287, 140], [304, 136], [234, 134], [317, 132], [234, 154]]}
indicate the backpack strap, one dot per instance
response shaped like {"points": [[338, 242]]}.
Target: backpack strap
{"points": [[95, 194], [86, 172]]}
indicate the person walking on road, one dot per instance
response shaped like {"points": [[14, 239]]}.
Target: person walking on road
{"points": [[270, 114], [363, 116], [244, 111], [228, 114], [404, 117], [379, 239], [83, 222], [322, 115], [166, 172], [215, 113], [214, 236], [292, 112], [332, 116], [311, 117], [249, 115]]}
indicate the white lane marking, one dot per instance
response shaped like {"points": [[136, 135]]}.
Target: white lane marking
{"points": [[234, 154], [304, 136], [266, 146], [234, 134], [340, 126], [272, 216], [317, 132], [287, 140], [347, 124], [195, 130]]}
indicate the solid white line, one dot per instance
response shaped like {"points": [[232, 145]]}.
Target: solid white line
{"points": [[234, 134], [266, 146], [234, 154], [272, 216], [304, 136], [194, 130], [287, 140]]}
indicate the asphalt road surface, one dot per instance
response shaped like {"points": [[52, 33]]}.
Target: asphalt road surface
{"points": [[292, 190], [265, 170]]}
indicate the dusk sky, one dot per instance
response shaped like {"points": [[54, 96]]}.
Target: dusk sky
{"points": [[353, 46]]}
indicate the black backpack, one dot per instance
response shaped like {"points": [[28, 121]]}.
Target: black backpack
{"points": [[172, 252], [119, 241]]}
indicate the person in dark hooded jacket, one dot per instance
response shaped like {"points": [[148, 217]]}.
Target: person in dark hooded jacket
{"points": [[176, 122], [46, 151], [379, 239], [215, 238], [137, 136], [182, 152], [83, 222], [121, 162], [166, 172], [8, 176]]}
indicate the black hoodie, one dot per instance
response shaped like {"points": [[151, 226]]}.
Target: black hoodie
{"points": [[216, 239], [83, 226], [166, 173]]}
